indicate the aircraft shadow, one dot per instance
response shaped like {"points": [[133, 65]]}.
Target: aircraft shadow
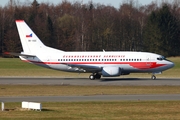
{"points": [[135, 79], [108, 79], [122, 79], [87, 79]]}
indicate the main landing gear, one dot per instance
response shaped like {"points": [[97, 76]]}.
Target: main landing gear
{"points": [[94, 76], [153, 77]]}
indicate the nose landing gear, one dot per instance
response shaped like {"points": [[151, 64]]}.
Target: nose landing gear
{"points": [[153, 77]]}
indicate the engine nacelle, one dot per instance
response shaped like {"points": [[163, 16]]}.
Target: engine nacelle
{"points": [[111, 71]]}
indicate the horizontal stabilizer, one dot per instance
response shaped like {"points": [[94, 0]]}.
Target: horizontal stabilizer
{"points": [[19, 54]]}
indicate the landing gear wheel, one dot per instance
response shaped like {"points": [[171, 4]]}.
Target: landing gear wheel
{"points": [[98, 76], [91, 77], [153, 77], [94, 76]]}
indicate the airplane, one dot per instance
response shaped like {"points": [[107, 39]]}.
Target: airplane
{"points": [[106, 64]]}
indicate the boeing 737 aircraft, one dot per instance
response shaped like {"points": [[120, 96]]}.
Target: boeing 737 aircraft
{"points": [[106, 64]]}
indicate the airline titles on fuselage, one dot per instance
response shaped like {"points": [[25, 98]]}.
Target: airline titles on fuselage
{"points": [[97, 58], [93, 56]]}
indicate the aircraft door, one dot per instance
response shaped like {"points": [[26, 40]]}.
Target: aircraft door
{"points": [[148, 61], [48, 59]]}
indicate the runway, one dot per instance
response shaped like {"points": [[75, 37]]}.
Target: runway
{"points": [[85, 82]]}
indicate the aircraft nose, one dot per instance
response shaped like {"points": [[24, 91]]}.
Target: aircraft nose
{"points": [[171, 64]]}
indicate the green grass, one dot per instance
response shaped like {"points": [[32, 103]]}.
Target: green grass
{"points": [[124, 110], [15, 63], [15, 67], [51, 90]]}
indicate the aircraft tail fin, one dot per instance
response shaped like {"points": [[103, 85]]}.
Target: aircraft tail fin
{"points": [[30, 42]]}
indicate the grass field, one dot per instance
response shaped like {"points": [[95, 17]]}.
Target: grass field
{"points": [[124, 110], [15, 67], [58, 90]]}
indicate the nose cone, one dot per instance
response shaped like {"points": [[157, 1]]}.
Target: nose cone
{"points": [[170, 64]]}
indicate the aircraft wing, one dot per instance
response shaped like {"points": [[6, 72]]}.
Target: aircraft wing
{"points": [[84, 68], [19, 54]]}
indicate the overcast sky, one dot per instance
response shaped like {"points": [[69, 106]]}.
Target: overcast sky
{"points": [[114, 3]]}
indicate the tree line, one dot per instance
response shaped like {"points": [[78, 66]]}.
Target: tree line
{"points": [[94, 26]]}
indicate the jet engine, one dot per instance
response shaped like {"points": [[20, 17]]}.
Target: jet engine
{"points": [[111, 71]]}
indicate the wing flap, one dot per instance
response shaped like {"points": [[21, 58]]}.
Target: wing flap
{"points": [[86, 68]]}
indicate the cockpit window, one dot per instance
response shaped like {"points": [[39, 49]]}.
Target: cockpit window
{"points": [[161, 58]]}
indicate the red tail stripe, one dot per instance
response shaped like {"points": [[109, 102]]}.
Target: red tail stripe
{"points": [[19, 20]]}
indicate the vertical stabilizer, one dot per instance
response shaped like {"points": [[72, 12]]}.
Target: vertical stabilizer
{"points": [[30, 42]]}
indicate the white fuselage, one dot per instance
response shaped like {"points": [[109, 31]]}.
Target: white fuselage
{"points": [[128, 62]]}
